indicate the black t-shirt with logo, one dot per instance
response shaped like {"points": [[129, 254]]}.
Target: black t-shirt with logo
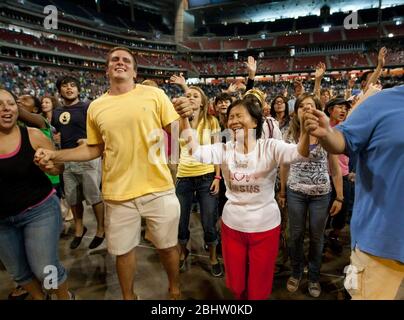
{"points": [[71, 123]]}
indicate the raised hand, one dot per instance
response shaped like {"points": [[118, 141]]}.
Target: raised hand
{"points": [[373, 89], [298, 87], [251, 65], [351, 83], [381, 57], [320, 70], [232, 88], [180, 80]]}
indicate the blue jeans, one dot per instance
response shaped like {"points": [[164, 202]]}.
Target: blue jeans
{"points": [[185, 189], [298, 206], [29, 241]]}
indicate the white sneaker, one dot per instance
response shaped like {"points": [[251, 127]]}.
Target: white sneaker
{"points": [[314, 289]]}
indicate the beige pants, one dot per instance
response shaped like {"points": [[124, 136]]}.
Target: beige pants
{"points": [[374, 278]]}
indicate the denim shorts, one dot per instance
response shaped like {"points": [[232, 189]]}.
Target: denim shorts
{"points": [[82, 182], [29, 243]]}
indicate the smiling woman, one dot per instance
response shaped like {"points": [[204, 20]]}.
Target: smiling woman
{"points": [[251, 217], [30, 209]]}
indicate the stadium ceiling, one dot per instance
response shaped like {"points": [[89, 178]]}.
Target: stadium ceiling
{"points": [[155, 6], [247, 11], [223, 4]]}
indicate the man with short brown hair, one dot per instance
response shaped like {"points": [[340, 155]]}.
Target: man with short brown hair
{"points": [[119, 126]]}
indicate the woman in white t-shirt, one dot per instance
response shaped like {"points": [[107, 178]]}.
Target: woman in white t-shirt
{"points": [[251, 218]]}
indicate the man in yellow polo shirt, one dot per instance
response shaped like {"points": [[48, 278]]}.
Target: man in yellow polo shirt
{"points": [[121, 126]]}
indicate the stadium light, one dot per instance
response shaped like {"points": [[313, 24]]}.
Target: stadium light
{"points": [[326, 27], [390, 35]]}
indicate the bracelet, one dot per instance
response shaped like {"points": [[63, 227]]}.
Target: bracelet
{"points": [[218, 177], [339, 199]]}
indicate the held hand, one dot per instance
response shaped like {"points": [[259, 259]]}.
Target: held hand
{"points": [[381, 57], [316, 123], [183, 107], [214, 187], [335, 208], [43, 156], [303, 119]]}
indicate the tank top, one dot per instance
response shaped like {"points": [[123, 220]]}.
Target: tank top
{"points": [[22, 183]]}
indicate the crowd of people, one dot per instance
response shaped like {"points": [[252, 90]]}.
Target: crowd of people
{"points": [[259, 159]]}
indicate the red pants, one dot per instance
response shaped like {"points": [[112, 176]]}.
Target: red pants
{"points": [[249, 260]]}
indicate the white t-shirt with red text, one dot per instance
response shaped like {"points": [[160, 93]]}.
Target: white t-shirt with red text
{"points": [[250, 179]]}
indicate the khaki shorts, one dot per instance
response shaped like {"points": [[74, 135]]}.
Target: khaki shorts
{"points": [[374, 278], [161, 211]]}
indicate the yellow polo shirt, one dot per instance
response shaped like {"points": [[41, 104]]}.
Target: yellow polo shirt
{"points": [[130, 126]]}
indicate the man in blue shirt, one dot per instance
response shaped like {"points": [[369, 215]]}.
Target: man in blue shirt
{"points": [[373, 133]]}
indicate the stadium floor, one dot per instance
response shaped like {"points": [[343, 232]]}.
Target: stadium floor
{"points": [[92, 274]]}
